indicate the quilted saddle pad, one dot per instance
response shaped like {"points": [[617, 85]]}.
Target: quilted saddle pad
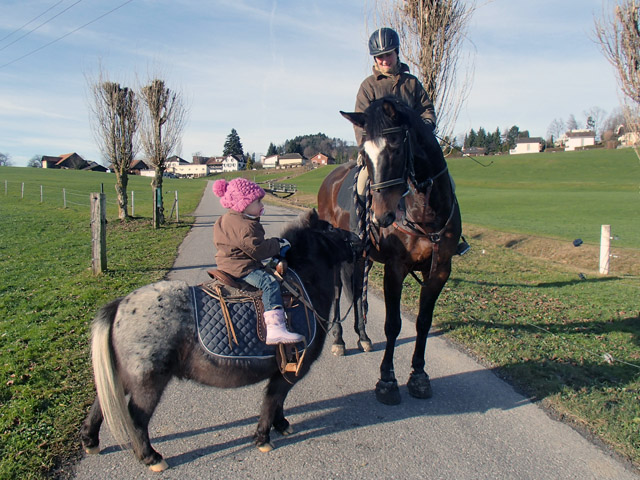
{"points": [[243, 307]]}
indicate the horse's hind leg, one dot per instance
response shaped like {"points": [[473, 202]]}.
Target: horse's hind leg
{"points": [[272, 413], [338, 346], [90, 430]]}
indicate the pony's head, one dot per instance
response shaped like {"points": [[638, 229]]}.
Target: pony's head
{"points": [[315, 241], [388, 153]]}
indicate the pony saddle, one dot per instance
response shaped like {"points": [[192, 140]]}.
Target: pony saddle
{"points": [[230, 317]]}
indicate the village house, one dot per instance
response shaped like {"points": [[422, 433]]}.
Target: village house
{"points": [[233, 163], [528, 145], [575, 139], [320, 159], [69, 161], [286, 160]]}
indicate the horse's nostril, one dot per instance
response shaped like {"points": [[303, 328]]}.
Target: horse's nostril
{"points": [[386, 220]]}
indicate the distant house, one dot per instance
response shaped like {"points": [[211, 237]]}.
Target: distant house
{"points": [[215, 164], [628, 135], [579, 139], [233, 163], [270, 162], [528, 145], [137, 166], [286, 160], [95, 167], [69, 161], [475, 151], [320, 159]]}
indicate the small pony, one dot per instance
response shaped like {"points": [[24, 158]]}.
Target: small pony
{"points": [[141, 341]]}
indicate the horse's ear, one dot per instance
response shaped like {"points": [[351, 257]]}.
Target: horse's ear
{"points": [[356, 118], [390, 110]]}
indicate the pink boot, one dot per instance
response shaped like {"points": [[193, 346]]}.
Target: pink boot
{"points": [[277, 328]]}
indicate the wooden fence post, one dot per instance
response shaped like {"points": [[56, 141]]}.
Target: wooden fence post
{"points": [[99, 232], [605, 249]]}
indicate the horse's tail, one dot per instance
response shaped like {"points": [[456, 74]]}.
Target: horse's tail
{"points": [[109, 386]]}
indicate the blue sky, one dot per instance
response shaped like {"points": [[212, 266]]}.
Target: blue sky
{"points": [[275, 69]]}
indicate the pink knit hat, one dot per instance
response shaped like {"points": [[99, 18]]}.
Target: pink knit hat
{"points": [[237, 194]]}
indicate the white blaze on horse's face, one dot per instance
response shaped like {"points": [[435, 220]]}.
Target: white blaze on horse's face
{"points": [[373, 149]]}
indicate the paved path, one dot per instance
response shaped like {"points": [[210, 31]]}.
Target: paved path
{"points": [[475, 426]]}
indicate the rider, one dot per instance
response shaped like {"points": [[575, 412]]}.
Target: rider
{"points": [[391, 77], [240, 240]]}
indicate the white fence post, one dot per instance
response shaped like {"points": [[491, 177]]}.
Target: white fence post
{"points": [[605, 249], [64, 197], [22, 194], [177, 208], [41, 194]]}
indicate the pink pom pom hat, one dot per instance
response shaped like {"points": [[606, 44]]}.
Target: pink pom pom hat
{"points": [[237, 194]]}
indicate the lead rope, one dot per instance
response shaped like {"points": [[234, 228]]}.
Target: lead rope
{"points": [[364, 229]]}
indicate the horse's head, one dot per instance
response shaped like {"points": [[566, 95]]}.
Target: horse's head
{"points": [[387, 152]]}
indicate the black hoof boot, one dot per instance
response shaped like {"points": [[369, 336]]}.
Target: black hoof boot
{"points": [[388, 392], [419, 385], [463, 247]]}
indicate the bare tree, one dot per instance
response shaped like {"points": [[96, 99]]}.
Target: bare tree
{"points": [[618, 33], [115, 117], [556, 129], [164, 117], [35, 161], [595, 117], [433, 33], [5, 160]]}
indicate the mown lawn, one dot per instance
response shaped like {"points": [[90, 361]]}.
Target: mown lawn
{"points": [[563, 334]]}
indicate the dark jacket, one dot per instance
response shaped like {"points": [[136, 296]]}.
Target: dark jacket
{"points": [[402, 85], [241, 244]]}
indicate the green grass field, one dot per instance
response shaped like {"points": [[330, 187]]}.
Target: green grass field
{"points": [[572, 344]]}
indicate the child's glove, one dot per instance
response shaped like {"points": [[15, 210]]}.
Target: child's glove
{"points": [[284, 246]]}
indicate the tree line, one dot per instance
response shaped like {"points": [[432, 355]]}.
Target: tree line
{"points": [[494, 142]]}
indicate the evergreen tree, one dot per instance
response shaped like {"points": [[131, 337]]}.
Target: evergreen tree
{"points": [[471, 139], [272, 150], [512, 137], [233, 146]]}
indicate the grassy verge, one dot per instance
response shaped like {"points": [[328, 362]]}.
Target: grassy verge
{"points": [[47, 299]]}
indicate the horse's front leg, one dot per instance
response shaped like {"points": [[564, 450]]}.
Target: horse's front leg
{"points": [[272, 413], [419, 385], [353, 276], [387, 391], [338, 347]]}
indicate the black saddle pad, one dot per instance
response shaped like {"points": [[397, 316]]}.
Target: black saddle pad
{"points": [[213, 333]]}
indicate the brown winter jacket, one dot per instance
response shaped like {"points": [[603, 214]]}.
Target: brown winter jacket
{"points": [[403, 85], [241, 244]]}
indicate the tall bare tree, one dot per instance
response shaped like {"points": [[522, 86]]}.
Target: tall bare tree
{"points": [[618, 32], [433, 34], [115, 117], [164, 117]]}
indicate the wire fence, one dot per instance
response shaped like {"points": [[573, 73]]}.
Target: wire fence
{"points": [[140, 203]]}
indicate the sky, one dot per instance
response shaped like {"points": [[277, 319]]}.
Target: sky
{"points": [[276, 69]]}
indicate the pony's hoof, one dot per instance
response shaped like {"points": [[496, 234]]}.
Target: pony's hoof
{"points": [[365, 346], [419, 385], [161, 466], [388, 392], [92, 450], [266, 447], [338, 350]]}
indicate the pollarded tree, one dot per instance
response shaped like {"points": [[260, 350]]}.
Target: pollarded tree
{"points": [[433, 34], [5, 159], [233, 146], [116, 114], [164, 117]]}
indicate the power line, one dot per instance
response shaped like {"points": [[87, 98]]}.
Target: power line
{"points": [[66, 34], [31, 21], [43, 23]]}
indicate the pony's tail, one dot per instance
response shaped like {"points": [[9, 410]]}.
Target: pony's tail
{"points": [[109, 386]]}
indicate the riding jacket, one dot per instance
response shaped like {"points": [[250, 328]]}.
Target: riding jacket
{"points": [[241, 245], [403, 85]]}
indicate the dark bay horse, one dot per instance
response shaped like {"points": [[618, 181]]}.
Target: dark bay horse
{"points": [[141, 341], [411, 222]]}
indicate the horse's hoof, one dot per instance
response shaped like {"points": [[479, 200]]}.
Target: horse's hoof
{"points": [[287, 431], [266, 447], [92, 450], [388, 392], [419, 385], [365, 346], [161, 466], [338, 350]]}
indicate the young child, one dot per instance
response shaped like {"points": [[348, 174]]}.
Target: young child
{"points": [[240, 240]]}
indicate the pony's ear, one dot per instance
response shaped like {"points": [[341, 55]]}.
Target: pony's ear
{"points": [[356, 118]]}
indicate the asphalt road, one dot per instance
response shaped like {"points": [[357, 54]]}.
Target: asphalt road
{"points": [[474, 427]]}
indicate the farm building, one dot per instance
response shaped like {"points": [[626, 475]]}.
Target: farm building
{"points": [[320, 159], [578, 139], [528, 145]]}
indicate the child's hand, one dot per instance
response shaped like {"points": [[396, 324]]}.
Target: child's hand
{"points": [[284, 246]]}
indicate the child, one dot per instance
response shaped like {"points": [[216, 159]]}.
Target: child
{"points": [[239, 237]]}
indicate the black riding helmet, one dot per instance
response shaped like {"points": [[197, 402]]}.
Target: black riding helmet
{"points": [[383, 40]]}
